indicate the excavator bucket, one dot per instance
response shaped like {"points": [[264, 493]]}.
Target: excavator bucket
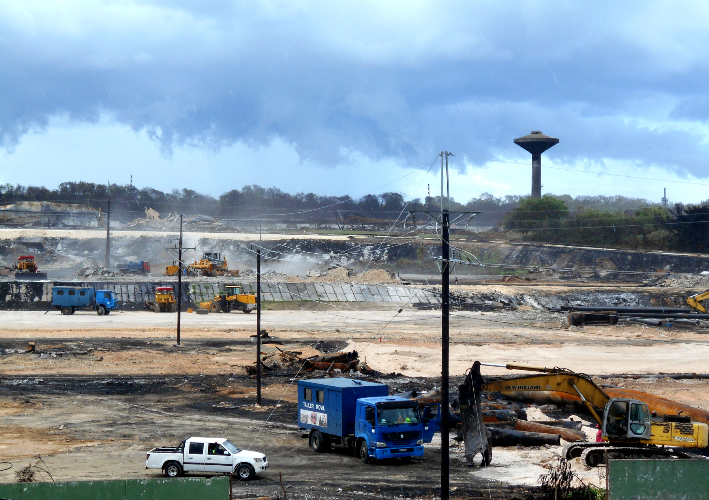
{"points": [[475, 433]]}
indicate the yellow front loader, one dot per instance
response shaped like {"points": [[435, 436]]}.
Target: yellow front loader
{"points": [[231, 299]]}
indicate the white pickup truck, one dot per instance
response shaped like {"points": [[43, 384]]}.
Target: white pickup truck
{"points": [[210, 455]]}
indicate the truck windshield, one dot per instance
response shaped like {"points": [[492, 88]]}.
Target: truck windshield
{"points": [[231, 447], [398, 416]]}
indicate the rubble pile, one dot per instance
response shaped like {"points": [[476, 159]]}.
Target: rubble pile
{"points": [[332, 364], [154, 222], [684, 281], [94, 272]]}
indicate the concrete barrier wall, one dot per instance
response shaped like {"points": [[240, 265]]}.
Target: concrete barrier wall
{"points": [[216, 488], [38, 295], [658, 479]]}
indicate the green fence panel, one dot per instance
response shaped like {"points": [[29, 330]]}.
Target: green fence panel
{"points": [[216, 488], [11, 491], [658, 479]]}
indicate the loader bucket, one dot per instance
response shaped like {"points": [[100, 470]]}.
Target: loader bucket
{"points": [[30, 276]]}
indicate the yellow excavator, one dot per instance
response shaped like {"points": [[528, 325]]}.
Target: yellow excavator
{"points": [[628, 427], [695, 301]]}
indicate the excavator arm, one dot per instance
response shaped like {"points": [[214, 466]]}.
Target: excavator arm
{"points": [[552, 379], [694, 301]]}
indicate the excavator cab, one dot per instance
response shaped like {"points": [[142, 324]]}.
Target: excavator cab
{"points": [[626, 419]]}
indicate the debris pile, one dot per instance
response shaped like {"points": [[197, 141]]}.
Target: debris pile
{"points": [[33, 472], [93, 272], [287, 361], [684, 281], [154, 222]]}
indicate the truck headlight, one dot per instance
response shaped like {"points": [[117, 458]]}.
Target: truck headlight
{"points": [[381, 445], [419, 442]]}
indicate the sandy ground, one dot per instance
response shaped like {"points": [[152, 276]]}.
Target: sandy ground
{"points": [[100, 391]]}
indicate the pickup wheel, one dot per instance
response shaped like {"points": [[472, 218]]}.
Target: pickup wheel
{"points": [[173, 469], [245, 472], [100, 310], [318, 442], [364, 451]]}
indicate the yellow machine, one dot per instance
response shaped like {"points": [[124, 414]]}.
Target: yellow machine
{"points": [[694, 301], [164, 300], [211, 264], [231, 299], [629, 430], [26, 269]]}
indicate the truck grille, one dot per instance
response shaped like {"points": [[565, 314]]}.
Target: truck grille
{"points": [[402, 437]]}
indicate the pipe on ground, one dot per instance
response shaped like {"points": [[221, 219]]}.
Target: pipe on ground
{"points": [[509, 437]]}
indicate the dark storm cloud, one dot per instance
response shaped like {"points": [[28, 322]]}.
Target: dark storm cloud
{"points": [[386, 80]]}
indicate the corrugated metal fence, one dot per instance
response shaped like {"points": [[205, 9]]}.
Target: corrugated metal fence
{"points": [[658, 479]]}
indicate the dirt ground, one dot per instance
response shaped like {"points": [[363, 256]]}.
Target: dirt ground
{"points": [[98, 392]]}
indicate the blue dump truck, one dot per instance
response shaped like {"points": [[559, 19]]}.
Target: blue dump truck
{"points": [[363, 417], [70, 298], [134, 267]]}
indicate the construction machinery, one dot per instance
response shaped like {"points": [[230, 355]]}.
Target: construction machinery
{"points": [[695, 301], [164, 300], [231, 299], [26, 269], [629, 429], [211, 264]]}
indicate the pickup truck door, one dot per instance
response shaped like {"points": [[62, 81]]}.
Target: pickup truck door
{"points": [[218, 459], [194, 456], [431, 421]]}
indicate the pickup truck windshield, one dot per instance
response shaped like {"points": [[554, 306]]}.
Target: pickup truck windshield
{"points": [[231, 447], [398, 416]]}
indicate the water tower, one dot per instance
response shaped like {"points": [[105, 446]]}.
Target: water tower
{"points": [[536, 143]]}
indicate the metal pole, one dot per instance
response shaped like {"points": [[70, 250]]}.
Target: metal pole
{"points": [[448, 185], [179, 282], [445, 280], [442, 165], [258, 327], [108, 233]]}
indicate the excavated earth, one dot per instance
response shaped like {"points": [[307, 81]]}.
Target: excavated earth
{"points": [[97, 392]]}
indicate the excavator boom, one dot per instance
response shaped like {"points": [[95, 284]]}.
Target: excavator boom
{"points": [[695, 301]]}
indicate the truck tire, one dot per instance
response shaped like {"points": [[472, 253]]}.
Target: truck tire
{"points": [[73, 310], [100, 310], [214, 307], [364, 451], [318, 442], [247, 310], [66, 310], [173, 469], [244, 472]]}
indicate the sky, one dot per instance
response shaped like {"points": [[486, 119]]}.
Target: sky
{"points": [[357, 97]]}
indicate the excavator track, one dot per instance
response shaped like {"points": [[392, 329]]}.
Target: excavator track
{"points": [[593, 456]]}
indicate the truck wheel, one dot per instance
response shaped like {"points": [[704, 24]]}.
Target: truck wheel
{"points": [[73, 310], [66, 310], [214, 307], [173, 469], [364, 452], [100, 310], [318, 442], [245, 472], [247, 310]]}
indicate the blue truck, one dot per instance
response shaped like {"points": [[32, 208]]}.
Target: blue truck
{"points": [[363, 417], [134, 267], [70, 298]]}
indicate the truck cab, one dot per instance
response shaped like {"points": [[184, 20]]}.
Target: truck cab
{"points": [[362, 416]]}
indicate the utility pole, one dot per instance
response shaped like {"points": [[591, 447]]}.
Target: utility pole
{"points": [[108, 233], [444, 218], [258, 327], [179, 282], [179, 249]]}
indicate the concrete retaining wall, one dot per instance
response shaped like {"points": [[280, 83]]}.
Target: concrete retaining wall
{"points": [[38, 295]]}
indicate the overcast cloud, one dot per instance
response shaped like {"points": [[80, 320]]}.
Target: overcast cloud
{"points": [[358, 89]]}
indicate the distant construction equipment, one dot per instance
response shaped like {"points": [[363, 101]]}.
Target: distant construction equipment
{"points": [[26, 269], [211, 264], [164, 300], [231, 299]]}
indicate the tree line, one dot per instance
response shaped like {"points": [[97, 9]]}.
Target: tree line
{"points": [[680, 227]]}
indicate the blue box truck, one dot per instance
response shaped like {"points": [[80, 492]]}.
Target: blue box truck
{"points": [[70, 298], [363, 417]]}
